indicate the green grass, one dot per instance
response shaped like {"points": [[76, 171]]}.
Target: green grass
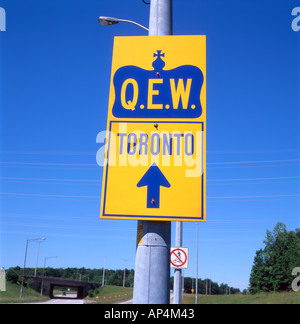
{"points": [[105, 295], [110, 295], [12, 295], [263, 298]]}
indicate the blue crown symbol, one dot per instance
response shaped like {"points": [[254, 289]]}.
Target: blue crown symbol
{"points": [[158, 93], [158, 64]]}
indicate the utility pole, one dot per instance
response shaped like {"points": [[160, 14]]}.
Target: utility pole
{"points": [[37, 258], [103, 274], [152, 263], [22, 284], [23, 275], [124, 272], [196, 295]]}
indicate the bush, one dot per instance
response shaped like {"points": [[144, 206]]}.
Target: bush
{"points": [[12, 276]]}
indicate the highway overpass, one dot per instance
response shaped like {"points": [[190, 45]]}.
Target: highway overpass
{"points": [[49, 283]]}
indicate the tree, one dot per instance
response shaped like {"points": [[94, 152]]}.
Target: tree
{"points": [[257, 273], [12, 276], [273, 265]]}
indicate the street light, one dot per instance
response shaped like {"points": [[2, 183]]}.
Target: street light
{"points": [[42, 286], [37, 257], [107, 21], [28, 241]]}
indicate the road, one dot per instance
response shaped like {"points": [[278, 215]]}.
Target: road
{"points": [[63, 300], [130, 301], [74, 301]]}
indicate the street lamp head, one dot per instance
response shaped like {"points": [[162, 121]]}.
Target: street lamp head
{"points": [[51, 257], [106, 21], [36, 240]]}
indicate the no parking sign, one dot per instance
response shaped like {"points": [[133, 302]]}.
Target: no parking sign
{"points": [[179, 257]]}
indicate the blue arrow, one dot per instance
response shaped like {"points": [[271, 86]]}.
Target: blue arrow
{"points": [[153, 179]]}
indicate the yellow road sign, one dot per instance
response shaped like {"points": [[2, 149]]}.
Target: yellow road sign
{"points": [[156, 132]]}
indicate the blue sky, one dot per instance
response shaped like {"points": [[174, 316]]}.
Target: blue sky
{"points": [[54, 77]]}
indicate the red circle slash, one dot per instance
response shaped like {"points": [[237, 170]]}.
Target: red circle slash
{"points": [[181, 262]]}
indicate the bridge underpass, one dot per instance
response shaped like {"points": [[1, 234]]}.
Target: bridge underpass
{"points": [[49, 283]]}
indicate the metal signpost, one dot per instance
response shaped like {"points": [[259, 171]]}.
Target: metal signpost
{"points": [[177, 272], [155, 153]]}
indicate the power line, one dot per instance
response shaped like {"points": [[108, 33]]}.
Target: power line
{"points": [[97, 197], [265, 150], [55, 196], [263, 196], [68, 226], [47, 179], [96, 219], [253, 179], [69, 235], [97, 181], [45, 153], [55, 164], [94, 164], [254, 166], [246, 162], [253, 151]]}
